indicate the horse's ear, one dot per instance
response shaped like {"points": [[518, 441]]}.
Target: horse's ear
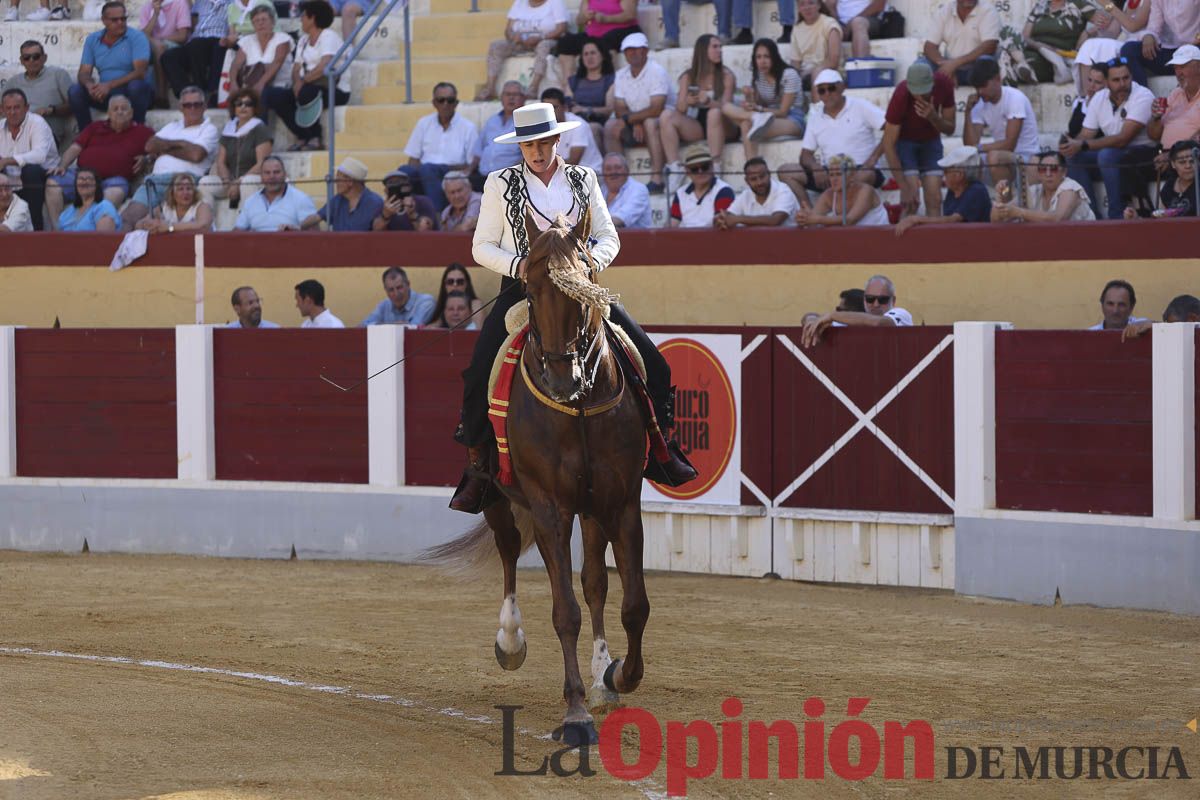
{"points": [[531, 228], [583, 229]]}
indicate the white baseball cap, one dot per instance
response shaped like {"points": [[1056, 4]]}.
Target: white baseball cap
{"points": [[634, 40], [827, 76], [959, 157], [1185, 55]]}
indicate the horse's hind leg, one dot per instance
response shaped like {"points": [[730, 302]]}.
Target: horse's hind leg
{"points": [[510, 639], [595, 593], [625, 674]]}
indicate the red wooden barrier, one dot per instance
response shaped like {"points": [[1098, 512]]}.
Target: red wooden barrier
{"points": [[865, 473], [1073, 422], [276, 420], [96, 403], [1197, 451], [432, 398]]}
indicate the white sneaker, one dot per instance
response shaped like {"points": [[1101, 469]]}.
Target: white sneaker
{"points": [[38, 15], [674, 176], [60, 13], [11, 15]]}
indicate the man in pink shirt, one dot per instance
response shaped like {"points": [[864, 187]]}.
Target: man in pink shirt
{"points": [[1177, 117], [1172, 24], [167, 24]]}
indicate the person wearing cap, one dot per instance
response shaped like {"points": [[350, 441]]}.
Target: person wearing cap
{"points": [[640, 93], [1178, 117], [404, 209], [439, 143], [967, 29], [278, 206], [354, 207], [1006, 114], [1172, 24], [966, 199], [705, 197], [919, 114], [541, 188]]}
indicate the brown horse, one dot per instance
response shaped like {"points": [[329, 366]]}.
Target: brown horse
{"points": [[577, 439]]}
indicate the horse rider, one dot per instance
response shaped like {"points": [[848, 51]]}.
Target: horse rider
{"points": [[544, 185]]}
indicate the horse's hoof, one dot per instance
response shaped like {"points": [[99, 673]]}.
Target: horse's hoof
{"points": [[511, 661], [602, 699], [610, 672], [576, 734]]}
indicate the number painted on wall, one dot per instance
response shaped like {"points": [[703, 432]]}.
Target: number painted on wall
{"points": [[641, 164], [50, 38], [383, 32]]}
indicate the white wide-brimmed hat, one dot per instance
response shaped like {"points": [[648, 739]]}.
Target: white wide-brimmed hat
{"points": [[535, 121]]}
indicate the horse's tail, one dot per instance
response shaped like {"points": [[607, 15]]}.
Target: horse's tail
{"points": [[474, 553]]}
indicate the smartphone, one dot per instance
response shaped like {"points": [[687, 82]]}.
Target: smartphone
{"points": [[399, 192]]}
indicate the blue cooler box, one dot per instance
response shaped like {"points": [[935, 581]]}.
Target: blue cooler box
{"points": [[870, 73]]}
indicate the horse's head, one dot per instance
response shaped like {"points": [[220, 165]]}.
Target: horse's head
{"points": [[565, 306]]}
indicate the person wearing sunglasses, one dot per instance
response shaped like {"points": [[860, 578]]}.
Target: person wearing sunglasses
{"points": [[705, 198], [456, 280], [1053, 198], [879, 299], [440, 142], [1177, 197], [120, 56], [245, 142], [47, 88]]}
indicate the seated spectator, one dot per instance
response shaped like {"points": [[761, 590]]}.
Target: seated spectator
{"points": [[248, 309], [353, 207], [310, 301], [488, 155], [115, 148], [850, 300], [89, 211], [879, 299], [590, 93], [440, 142], [963, 31], [455, 314], [187, 145], [816, 42], [1094, 82], [46, 88], [920, 112], [743, 20], [577, 145], [14, 212], [862, 20], [1006, 114], [841, 126], [764, 201], [198, 62], [121, 57], [261, 56], [403, 210], [845, 202], [1184, 308], [462, 204], [314, 52], [245, 142], [1117, 302], [1113, 145], [455, 278], [774, 102], [670, 20], [703, 88], [1055, 198], [1177, 197], [278, 206], [1053, 29], [403, 306], [1177, 117], [603, 23], [640, 93], [628, 200], [1172, 24], [167, 24], [533, 26], [27, 151], [966, 199], [350, 11], [183, 209], [1101, 45], [697, 204]]}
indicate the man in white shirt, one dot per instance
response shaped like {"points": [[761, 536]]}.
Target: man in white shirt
{"points": [[1007, 115], [862, 20], [187, 145], [440, 142], [840, 126], [310, 300], [1116, 304], [967, 29], [879, 299], [578, 144], [628, 200], [27, 151], [764, 201], [1172, 24], [641, 91], [248, 308], [704, 197], [14, 212], [1114, 144]]}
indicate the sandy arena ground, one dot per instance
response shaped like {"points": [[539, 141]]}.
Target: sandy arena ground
{"points": [[75, 728]]}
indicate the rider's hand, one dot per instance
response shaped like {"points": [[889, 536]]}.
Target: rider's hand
{"points": [[522, 267]]}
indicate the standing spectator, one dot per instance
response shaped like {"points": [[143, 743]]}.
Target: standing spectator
{"points": [[966, 199], [577, 145], [774, 104], [278, 206], [698, 204], [89, 211], [115, 148], [261, 56], [1113, 144], [46, 88], [603, 23], [462, 204], [1178, 116], [245, 142], [183, 210], [963, 31], [404, 210], [40, 14], [1117, 302], [628, 200], [27, 151], [848, 202], [198, 62], [440, 142], [640, 93], [919, 114], [403, 306], [1006, 114], [121, 57], [14, 212], [1172, 24], [248, 309], [1054, 198], [187, 145], [489, 155], [1052, 28], [764, 201], [314, 53], [167, 24], [310, 301], [1177, 197], [879, 299], [591, 88], [816, 42], [456, 279], [862, 20], [353, 207], [703, 89], [533, 26]]}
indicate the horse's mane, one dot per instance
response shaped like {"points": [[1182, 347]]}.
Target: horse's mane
{"points": [[568, 271]]}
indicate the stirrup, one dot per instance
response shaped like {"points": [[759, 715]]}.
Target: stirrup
{"points": [[675, 471], [474, 493]]}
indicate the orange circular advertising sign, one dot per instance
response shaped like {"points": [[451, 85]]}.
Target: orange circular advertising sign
{"points": [[705, 414]]}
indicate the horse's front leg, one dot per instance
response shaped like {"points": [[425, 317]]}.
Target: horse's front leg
{"points": [[511, 648], [625, 674], [595, 593]]}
